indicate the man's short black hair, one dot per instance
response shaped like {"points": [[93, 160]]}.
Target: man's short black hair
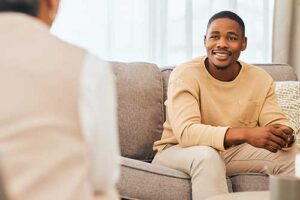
{"points": [[229, 15], [29, 7]]}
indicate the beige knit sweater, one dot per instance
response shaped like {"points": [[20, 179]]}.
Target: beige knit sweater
{"points": [[201, 108]]}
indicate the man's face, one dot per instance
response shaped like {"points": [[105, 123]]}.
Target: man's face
{"points": [[224, 42]]}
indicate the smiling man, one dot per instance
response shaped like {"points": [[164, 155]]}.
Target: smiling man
{"points": [[222, 115]]}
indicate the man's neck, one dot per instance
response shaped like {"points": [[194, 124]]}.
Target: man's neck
{"points": [[226, 74]]}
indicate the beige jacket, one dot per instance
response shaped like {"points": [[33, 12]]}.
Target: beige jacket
{"points": [[43, 153]]}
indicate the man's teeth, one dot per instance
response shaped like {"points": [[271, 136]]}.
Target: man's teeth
{"points": [[222, 54]]}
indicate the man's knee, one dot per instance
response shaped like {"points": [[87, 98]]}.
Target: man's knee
{"points": [[203, 159], [286, 164], [206, 155]]}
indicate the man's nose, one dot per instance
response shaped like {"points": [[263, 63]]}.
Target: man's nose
{"points": [[222, 43]]}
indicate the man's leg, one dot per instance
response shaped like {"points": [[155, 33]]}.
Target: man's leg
{"points": [[202, 163], [246, 158]]}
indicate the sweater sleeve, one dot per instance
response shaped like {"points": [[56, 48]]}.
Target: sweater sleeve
{"points": [[271, 112], [99, 123], [183, 107]]}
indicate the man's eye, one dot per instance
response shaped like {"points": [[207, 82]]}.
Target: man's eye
{"points": [[232, 38], [214, 37]]}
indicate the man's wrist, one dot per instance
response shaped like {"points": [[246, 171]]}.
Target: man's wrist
{"points": [[235, 136]]}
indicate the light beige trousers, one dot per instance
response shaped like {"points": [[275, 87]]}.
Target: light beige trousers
{"points": [[208, 167]]}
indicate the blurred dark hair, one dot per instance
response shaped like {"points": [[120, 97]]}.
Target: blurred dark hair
{"points": [[229, 15], [29, 7]]}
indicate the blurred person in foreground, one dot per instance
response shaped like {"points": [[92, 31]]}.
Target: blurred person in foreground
{"points": [[58, 126], [222, 115]]}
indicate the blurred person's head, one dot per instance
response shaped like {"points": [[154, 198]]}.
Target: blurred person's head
{"points": [[44, 10]]}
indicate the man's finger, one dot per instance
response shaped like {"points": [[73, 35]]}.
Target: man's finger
{"points": [[279, 133], [279, 141], [287, 130]]}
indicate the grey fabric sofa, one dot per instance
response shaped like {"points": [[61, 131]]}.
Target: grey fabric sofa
{"points": [[141, 92]]}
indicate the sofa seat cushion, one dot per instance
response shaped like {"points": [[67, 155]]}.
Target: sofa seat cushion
{"points": [[249, 182], [142, 180]]}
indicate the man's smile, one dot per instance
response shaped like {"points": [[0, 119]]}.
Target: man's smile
{"points": [[221, 54]]}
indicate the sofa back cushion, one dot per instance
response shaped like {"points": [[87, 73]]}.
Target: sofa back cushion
{"points": [[140, 108], [279, 72]]}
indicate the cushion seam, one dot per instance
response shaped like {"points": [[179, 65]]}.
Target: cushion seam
{"points": [[157, 173]]}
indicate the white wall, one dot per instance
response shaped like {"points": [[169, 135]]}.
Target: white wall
{"points": [[295, 41], [160, 31]]}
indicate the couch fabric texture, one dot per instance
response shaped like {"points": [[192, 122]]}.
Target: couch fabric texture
{"points": [[141, 92]]}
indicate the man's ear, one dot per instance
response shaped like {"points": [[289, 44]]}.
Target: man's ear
{"points": [[244, 43], [204, 40], [52, 8]]}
